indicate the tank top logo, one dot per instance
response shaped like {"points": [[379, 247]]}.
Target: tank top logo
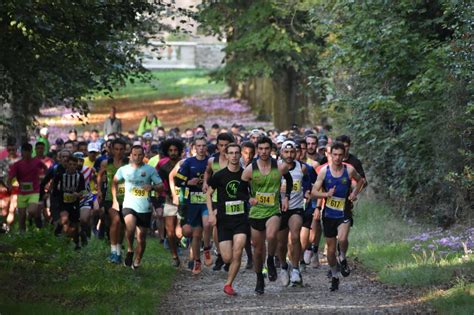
{"points": [[231, 188], [344, 180]]}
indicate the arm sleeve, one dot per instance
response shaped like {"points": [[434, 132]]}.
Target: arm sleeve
{"points": [[243, 192], [289, 183]]}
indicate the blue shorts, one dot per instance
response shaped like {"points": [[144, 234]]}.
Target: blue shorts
{"points": [[194, 214]]}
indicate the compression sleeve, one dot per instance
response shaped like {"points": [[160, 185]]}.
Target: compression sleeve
{"points": [[243, 191], [289, 183]]}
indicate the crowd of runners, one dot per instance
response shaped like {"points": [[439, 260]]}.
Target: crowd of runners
{"points": [[216, 192]]}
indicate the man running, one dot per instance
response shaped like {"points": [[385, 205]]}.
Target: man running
{"points": [[232, 222], [335, 180], [292, 219], [215, 163], [138, 178], [264, 216], [27, 172], [109, 168], [172, 150], [191, 175]]}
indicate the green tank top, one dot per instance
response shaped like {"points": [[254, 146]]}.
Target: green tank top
{"points": [[215, 166], [266, 189], [111, 170]]}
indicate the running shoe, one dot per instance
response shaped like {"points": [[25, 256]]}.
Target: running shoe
{"points": [[315, 261], [265, 271], [117, 260], [135, 267], [111, 257], [197, 267], [295, 278], [272, 272], [226, 267], [207, 257], [218, 264], [191, 264], [308, 254], [128, 259], [229, 290], [260, 287], [334, 284], [345, 270], [184, 242], [302, 266], [284, 277], [176, 262]]}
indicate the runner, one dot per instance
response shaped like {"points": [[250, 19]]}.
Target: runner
{"points": [[71, 186], [312, 150], [232, 221], [248, 154], [40, 154], [172, 151], [335, 180], [138, 178], [27, 172], [108, 169], [292, 219], [215, 163], [190, 175], [8, 195], [264, 216]]}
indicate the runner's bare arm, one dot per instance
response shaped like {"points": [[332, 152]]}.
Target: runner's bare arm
{"points": [[212, 215], [317, 192], [243, 191], [100, 177], [207, 174], [171, 176], [114, 190], [360, 182]]}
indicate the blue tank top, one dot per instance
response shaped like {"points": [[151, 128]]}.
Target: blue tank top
{"points": [[335, 205]]}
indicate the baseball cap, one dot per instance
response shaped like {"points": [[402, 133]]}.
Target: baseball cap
{"points": [[78, 155], [288, 144], [280, 139], [322, 143], [93, 147], [44, 131]]}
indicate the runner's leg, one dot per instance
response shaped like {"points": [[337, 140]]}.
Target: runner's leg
{"points": [[238, 245]]}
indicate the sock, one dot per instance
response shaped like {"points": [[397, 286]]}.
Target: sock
{"points": [[118, 248], [270, 260], [334, 271], [284, 266], [315, 248], [113, 248]]}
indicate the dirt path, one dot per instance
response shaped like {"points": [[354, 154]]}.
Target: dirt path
{"points": [[358, 294]]}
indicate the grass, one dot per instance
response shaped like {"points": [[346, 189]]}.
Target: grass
{"points": [[378, 241], [457, 300], [45, 276], [169, 84]]}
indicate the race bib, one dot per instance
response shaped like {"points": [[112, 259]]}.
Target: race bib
{"points": [[296, 186], [26, 186], [198, 198], [335, 203], [267, 199], [139, 192], [69, 198], [177, 190], [234, 207], [121, 189]]}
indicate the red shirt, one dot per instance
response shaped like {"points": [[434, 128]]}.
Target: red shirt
{"points": [[27, 173]]}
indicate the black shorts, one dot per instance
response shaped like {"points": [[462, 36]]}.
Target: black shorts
{"points": [[330, 225], [260, 224], [308, 219], [285, 217], [73, 211], [108, 205], [55, 207], [227, 230], [143, 219]]}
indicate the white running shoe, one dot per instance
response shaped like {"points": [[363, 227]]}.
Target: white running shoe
{"points": [[315, 261], [308, 254], [284, 277], [295, 277]]}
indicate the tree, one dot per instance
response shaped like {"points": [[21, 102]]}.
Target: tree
{"points": [[275, 39], [402, 72], [56, 52]]}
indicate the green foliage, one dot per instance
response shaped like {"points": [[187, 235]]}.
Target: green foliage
{"points": [[44, 274], [457, 300], [401, 74], [58, 52], [265, 38]]}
